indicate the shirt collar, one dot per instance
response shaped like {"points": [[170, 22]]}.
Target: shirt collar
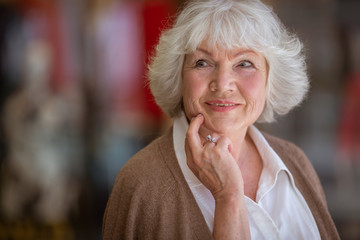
{"points": [[179, 133], [272, 164]]}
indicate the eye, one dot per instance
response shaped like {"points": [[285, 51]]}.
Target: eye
{"points": [[245, 64], [201, 63]]}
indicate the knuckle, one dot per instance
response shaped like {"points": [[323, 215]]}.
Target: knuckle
{"points": [[217, 151], [188, 135]]}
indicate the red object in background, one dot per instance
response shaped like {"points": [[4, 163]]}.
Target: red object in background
{"points": [[349, 129], [156, 16]]}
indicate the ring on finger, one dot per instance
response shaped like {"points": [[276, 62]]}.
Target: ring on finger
{"points": [[210, 139]]}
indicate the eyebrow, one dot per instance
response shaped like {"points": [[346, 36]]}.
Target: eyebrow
{"points": [[241, 52], [204, 51]]}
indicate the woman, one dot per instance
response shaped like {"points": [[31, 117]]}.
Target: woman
{"points": [[223, 66]]}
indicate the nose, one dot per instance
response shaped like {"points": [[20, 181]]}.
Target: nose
{"points": [[222, 79]]}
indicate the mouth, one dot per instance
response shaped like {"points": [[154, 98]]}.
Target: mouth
{"points": [[221, 105]]}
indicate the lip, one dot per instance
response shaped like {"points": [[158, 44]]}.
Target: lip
{"points": [[222, 105]]}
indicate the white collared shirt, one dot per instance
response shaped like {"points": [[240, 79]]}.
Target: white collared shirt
{"points": [[280, 211]]}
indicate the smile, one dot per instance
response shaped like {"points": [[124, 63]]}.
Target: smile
{"points": [[224, 104]]}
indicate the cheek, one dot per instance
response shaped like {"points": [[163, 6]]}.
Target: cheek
{"points": [[193, 87], [193, 90], [255, 87], [254, 92]]}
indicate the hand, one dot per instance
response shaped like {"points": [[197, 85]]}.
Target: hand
{"points": [[216, 168], [212, 163]]}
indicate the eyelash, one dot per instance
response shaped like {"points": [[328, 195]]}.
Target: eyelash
{"points": [[247, 62], [201, 61]]}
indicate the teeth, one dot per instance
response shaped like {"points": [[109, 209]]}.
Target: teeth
{"points": [[224, 104]]}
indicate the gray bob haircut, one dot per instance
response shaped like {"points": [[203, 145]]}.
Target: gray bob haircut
{"points": [[230, 24]]}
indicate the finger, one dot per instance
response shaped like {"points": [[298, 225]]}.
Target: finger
{"points": [[210, 142], [192, 134], [225, 143], [187, 149]]}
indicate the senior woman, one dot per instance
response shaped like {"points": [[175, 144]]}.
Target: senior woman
{"points": [[224, 65]]}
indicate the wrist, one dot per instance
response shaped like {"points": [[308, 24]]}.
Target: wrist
{"points": [[233, 198]]}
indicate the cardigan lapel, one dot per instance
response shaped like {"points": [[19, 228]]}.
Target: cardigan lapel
{"points": [[197, 221], [308, 183]]}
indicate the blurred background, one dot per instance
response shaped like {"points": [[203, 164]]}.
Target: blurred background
{"points": [[74, 106]]}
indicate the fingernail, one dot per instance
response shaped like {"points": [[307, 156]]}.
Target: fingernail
{"points": [[196, 116]]}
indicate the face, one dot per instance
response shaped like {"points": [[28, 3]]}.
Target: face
{"points": [[226, 86]]}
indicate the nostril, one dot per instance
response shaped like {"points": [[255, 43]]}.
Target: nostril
{"points": [[221, 84], [213, 86]]}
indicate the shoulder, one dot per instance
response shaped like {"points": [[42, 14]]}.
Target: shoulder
{"points": [[290, 153], [142, 185], [298, 164], [283, 147], [150, 166]]}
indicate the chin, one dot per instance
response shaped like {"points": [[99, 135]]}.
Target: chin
{"points": [[224, 126]]}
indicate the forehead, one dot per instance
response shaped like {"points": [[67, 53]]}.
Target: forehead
{"points": [[213, 51]]}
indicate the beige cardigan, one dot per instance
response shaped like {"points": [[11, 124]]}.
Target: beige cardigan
{"points": [[152, 200]]}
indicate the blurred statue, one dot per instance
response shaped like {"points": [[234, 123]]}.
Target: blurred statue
{"points": [[42, 127]]}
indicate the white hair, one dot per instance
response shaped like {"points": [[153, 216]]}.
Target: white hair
{"points": [[230, 24]]}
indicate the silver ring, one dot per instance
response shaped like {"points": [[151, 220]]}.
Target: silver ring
{"points": [[210, 139]]}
